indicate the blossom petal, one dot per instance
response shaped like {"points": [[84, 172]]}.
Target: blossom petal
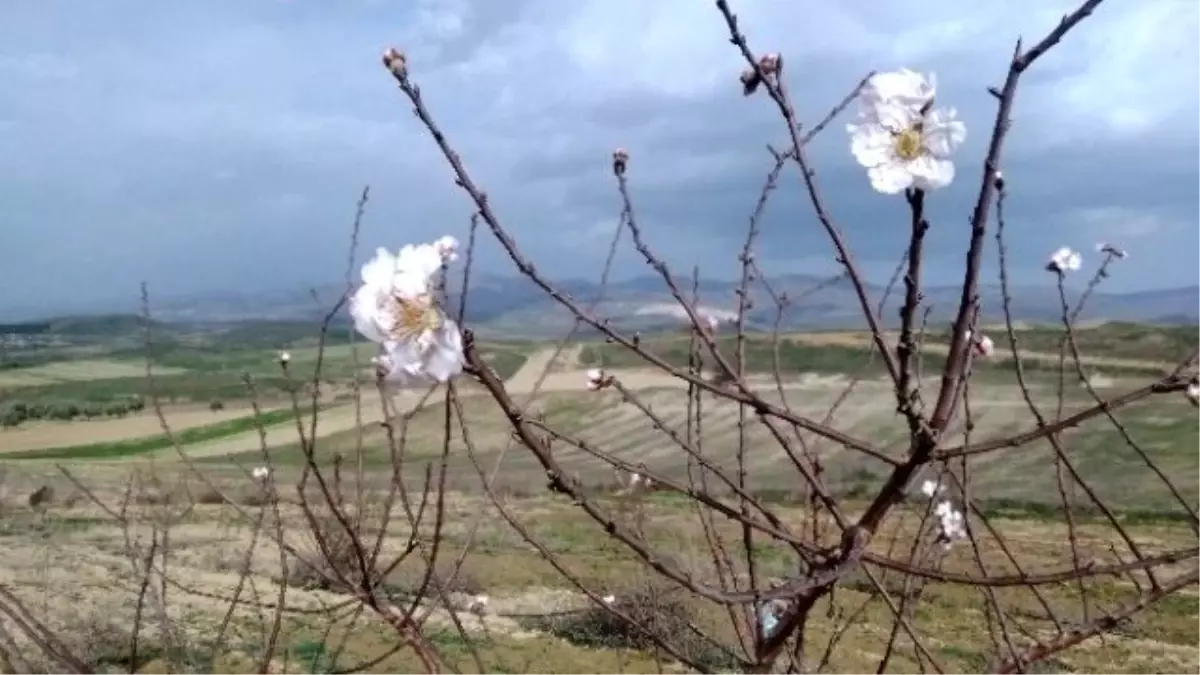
{"points": [[871, 144], [896, 116], [943, 133], [364, 309], [931, 173], [422, 261], [903, 85], [890, 178], [379, 270], [445, 360]]}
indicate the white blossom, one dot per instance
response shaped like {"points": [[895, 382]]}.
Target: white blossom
{"points": [[284, 358], [903, 86], [1193, 393], [901, 141], [982, 344], [447, 248], [1105, 247], [395, 308], [1064, 260], [609, 599], [261, 473], [596, 379], [478, 604], [712, 321], [951, 524], [930, 488]]}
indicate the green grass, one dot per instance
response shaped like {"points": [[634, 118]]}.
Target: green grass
{"points": [[138, 446], [1116, 340], [192, 386]]}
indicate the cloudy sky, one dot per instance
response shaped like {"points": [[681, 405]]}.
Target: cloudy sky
{"points": [[221, 144]]}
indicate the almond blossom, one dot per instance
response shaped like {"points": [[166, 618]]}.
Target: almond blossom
{"points": [[984, 346], [951, 524], [596, 379], [930, 488], [447, 248], [478, 604], [1193, 393], [1105, 247], [981, 344], [261, 473], [395, 307], [902, 86], [1064, 260], [900, 139]]}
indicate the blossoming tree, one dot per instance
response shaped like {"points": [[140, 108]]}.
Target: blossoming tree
{"points": [[919, 526], [906, 143]]}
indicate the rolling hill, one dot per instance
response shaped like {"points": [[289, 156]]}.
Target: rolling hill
{"points": [[514, 306]]}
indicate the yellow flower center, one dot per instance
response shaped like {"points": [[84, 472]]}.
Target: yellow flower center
{"points": [[413, 316], [907, 144]]}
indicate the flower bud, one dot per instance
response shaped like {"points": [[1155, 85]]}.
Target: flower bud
{"points": [[620, 161]]}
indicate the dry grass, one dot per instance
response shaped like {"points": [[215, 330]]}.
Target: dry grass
{"points": [[70, 563]]}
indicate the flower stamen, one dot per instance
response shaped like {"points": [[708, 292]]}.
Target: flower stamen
{"points": [[412, 316], [907, 144]]}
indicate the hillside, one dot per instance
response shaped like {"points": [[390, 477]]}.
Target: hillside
{"points": [[514, 306]]}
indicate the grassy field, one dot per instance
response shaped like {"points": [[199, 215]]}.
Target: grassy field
{"points": [[82, 370], [104, 359], [69, 562], [850, 352], [139, 446], [40, 434], [1166, 429]]}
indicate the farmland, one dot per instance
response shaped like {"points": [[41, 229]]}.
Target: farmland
{"points": [[529, 625], [536, 622], [814, 369]]}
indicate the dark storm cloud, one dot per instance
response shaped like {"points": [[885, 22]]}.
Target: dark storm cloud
{"points": [[222, 145]]}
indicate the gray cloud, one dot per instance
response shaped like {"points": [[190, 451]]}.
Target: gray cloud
{"points": [[221, 145]]}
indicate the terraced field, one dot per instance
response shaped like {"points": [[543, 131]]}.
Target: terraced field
{"points": [[89, 590], [1166, 428], [57, 434], [78, 371]]}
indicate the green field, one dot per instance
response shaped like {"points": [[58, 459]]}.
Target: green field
{"points": [[104, 359]]}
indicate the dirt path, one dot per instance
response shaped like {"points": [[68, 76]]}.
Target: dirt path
{"points": [[562, 371]]}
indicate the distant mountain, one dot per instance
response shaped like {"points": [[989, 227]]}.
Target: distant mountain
{"points": [[517, 307]]}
